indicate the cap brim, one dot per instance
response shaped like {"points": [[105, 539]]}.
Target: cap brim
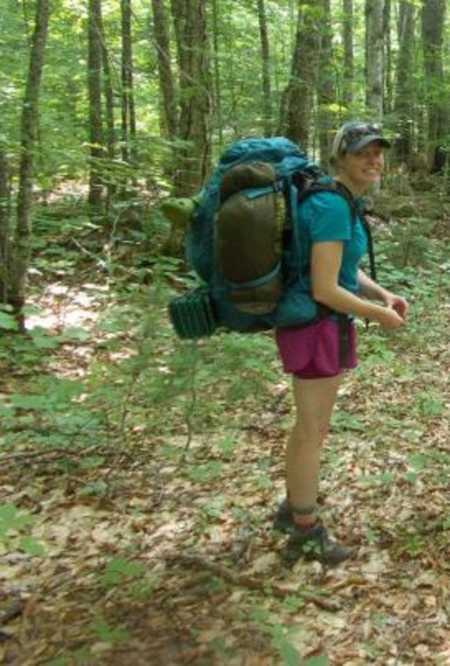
{"points": [[365, 140]]}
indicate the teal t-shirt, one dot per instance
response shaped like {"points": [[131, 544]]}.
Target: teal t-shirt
{"points": [[323, 217], [326, 217]]}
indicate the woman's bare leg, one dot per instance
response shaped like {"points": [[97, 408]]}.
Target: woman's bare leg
{"points": [[314, 401]]}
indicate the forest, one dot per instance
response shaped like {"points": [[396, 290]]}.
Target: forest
{"points": [[139, 472]]}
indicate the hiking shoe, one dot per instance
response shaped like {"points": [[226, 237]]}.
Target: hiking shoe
{"points": [[283, 520], [314, 543]]}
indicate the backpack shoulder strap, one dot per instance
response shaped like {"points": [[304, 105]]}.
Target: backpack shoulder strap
{"points": [[343, 191], [333, 186]]}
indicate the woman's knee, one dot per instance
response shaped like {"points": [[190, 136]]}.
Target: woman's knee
{"points": [[306, 435]]}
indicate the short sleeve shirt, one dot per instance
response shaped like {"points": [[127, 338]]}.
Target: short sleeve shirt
{"points": [[326, 217]]}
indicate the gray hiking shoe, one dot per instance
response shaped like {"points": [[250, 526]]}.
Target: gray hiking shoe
{"points": [[314, 543]]}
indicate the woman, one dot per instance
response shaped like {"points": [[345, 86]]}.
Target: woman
{"points": [[335, 242]]}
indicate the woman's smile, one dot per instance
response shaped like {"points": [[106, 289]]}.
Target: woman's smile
{"points": [[361, 169]]}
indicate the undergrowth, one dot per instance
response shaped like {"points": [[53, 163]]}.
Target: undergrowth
{"points": [[101, 385]]}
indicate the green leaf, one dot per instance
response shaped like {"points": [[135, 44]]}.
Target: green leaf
{"points": [[34, 402], [45, 341], [119, 569], [206, 473], [32, 547], [322, 660], [292, 604], [11, 519], [281, 643], [42, 338], [214, 508], [8, 322], [99, 488], [289, 654], [418, 461], [109, 634], [91, 462], [75, 334], [342, 420], [58, 661]]}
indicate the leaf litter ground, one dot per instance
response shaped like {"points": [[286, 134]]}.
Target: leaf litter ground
{"points": [[149, 532]]}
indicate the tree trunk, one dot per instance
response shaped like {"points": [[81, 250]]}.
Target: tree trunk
{"points": [[195, 104], [95, 105], [347, 38], [108, 93], [166, 84], [374, 58], [326, 91], [217, 77], [265, 60], [298, 98], [4, 226], [129, 147], [389, 88], [405, 88], [21, 250], [433, 16]]}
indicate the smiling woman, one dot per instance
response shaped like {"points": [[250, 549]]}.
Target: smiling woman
{"points": [[358, 156], [332, 230]]}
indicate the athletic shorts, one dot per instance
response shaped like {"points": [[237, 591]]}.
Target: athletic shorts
{"points": [[313, 351]]}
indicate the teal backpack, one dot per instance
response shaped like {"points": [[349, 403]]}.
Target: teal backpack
{"points": [[242, 241]]}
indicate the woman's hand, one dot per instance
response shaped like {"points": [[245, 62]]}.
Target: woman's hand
{"points": [[397, 303], [326, 290], [389, 318], [374, 291]]}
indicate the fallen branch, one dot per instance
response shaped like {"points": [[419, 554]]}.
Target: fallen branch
{"points": [[244, 580]]}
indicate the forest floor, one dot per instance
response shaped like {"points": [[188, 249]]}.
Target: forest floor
{"points": [[139, 477]]}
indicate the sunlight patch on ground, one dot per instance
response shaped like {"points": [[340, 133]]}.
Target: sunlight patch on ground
{"points": [[62, 306]]}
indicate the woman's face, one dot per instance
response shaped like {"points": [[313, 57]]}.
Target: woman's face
{"points": [[363, 168]]}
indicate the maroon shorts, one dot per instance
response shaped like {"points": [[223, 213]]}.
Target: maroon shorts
{"points": [[313, 351]]}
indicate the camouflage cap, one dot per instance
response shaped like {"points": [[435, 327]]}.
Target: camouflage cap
{"points": [[354, 136]]}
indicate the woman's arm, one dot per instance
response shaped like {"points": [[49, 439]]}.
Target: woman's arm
{"points": [[372, 290], [325, 265]]}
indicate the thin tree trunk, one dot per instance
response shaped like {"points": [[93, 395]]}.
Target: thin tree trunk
{"points": [[389, 87], [20, 260], [347, 95], [108, 93], [217, 77], [297, 102], [166, 83], [265, 60], [433, 16], [326, 90], [374, 58], [177, 6], [231, 85], [405, 88], [129, 147], [4, 226], [95, 104]]}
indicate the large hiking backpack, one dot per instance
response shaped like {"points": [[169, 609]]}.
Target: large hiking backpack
{"points": [[243, 241]]}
